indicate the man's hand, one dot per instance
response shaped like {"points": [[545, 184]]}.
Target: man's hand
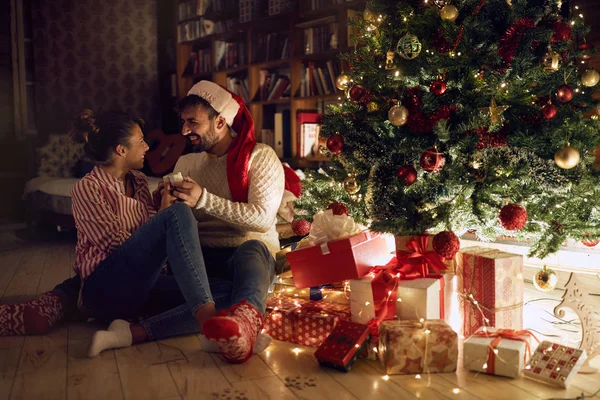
{"points": [[187, 191], [167, 198]]}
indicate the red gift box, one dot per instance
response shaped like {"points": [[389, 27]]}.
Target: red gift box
{"points": [[338, 260], [303, 321], [342, 346]]}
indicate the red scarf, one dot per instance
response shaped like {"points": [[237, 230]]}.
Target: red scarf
{"points": [[240, 149]]}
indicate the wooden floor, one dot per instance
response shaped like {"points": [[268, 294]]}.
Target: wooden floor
{"points": [[55, 366]]}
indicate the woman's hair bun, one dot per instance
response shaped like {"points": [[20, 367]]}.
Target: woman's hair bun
{"points": [[83, 126]]}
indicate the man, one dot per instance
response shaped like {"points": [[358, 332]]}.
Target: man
{"points": [[234, 187]]}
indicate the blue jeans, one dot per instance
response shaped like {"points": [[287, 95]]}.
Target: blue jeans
{"points": [[236, 274], [128, 281], [119, 286]]}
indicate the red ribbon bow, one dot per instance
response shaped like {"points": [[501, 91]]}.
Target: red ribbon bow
{"points": [[418, 262], [497, 336]]}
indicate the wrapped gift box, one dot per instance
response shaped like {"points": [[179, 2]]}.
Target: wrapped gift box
{"points": [[490, 285], [303, 321], [401, 242], [412, 347], [419, 298], [284, 286], [513, 351], [554, 364], [338, 260], [343, 345]]}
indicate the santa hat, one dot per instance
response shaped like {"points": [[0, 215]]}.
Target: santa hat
{"points": [[232, 108]]}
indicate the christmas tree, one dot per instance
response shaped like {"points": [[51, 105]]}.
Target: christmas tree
{"points": [[467, 116]]}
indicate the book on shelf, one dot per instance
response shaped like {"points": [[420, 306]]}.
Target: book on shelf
{"points": [[229, 54], [200, 62], [323, 37], [239, 86], [271, 46], [318, 78], [318, 4], [283, 136], [309, 125], [223, 6], [267, 136], [273, 85]]}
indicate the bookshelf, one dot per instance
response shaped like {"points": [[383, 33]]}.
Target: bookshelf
{"points": [[295, 49]]}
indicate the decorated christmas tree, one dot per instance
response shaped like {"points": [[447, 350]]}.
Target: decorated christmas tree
{"points": [[466, 116]]}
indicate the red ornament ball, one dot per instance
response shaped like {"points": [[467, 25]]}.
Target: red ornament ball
{"points": [[513, 217], [549, 111], [338, 208], [446, 244], [359, 93], [438, 87], [335, 143], [562, 32], [432, 160], [564, 93], [301, 227], [407, 174]]}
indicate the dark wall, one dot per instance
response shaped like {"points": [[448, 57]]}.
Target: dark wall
{"points": [[94, 54]]}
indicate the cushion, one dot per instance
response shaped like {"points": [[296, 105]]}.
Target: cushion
{"points": [[59, 157]]}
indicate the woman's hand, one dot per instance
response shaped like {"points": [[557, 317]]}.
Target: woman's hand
{"points": [[167, 198]]}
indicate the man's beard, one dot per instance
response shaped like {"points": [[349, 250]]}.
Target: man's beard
{"points": [[198, 146]]}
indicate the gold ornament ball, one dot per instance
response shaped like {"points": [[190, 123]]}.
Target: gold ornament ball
{"points": [[351, 185], [567, 157], [398, 115], [545, 280], [408, 47], [590, 77], [449, 13], [372, 106], [342, 81]]}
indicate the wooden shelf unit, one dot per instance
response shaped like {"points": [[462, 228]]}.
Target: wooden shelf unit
{"points": [[294, 24]]}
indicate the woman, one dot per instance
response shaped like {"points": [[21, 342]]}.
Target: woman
{"points": [[124, 242]]}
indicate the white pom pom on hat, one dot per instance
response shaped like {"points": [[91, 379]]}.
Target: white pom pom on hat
{"points": [[219, 99]]}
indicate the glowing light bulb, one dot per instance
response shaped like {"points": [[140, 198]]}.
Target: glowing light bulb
{"points": [[418, 376], [296, 350], [485, 366], [456, 390], [386, 378]]}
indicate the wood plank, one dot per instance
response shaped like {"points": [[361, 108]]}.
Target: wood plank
{"points": [[262, 388], [366, 381], [144, 372], [90, 378], [433, 386], [9, 361], [487, 386], [42, 371], [25, 282], [301, 372], [197, 376], [9, 262], [57, 267], [254, 368]]}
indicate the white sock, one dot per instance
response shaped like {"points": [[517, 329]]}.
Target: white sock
{"points": [[118, 335], [262, 342]]}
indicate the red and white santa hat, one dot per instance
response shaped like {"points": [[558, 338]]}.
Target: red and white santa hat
{"points": [[232, 108]]}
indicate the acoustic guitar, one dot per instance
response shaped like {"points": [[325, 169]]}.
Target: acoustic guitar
{"points": [[164, 151]]}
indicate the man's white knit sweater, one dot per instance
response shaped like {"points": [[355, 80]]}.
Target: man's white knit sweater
{"points": [[225, 223]]}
